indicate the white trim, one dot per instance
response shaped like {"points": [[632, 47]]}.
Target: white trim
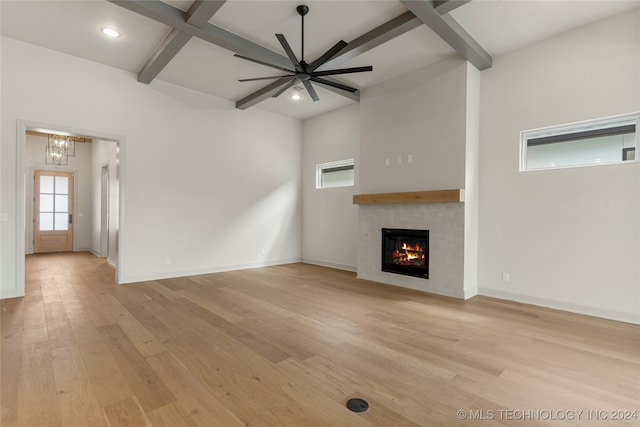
{"points": [[330, 264], [585, 125], [21, 198], [618, 315], [208, 270]]}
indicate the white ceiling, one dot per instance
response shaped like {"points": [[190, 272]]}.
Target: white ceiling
{"points": [[499, 26]]}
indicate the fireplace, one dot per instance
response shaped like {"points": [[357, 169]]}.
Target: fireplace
{"points": [[405, 252]]}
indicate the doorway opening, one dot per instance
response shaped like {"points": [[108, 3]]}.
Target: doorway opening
{"points": [[84, 215]]}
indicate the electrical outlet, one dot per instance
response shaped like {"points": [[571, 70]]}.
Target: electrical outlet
{"points": [[398, 160], [386, 162], [410, 158], [505, 277]]}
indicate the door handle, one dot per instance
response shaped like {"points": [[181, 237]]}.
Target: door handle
{"points": [[70, 219]]}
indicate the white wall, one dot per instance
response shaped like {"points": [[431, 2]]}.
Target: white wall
{"points": [[104, 153], [205, 187], [329, 217], [569, 238], [422, 114], [80, 166]]}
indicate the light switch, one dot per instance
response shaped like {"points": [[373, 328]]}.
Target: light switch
{"points": [[4, 216]]}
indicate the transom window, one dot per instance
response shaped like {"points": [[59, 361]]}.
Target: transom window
{"points": [[335, 174], [604, 141]]}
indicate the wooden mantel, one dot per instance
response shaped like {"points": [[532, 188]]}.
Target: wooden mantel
{"points": [[437, 196]]}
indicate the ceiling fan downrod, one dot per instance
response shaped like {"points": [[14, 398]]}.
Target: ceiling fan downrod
{"points": [[302, 10]]}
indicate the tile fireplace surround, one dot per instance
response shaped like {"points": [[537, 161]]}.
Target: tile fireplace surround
{"points": [[440, 212]]}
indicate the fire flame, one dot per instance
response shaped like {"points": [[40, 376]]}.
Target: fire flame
{"points": [[408, 253]]}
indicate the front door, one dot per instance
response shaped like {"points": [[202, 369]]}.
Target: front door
{"points": [[53, 212]]}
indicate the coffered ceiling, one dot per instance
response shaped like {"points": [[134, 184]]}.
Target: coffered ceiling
{"points": [[495, 26]]}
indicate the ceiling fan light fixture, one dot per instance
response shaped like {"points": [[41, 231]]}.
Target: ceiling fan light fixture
{"points": [[110, 32]]}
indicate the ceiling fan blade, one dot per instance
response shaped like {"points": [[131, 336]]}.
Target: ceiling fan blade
{"points": [[264, 78], [334, 84], [327, 56], [342, 71], [257, 61], [311, 90], [284, 88], [289, 52]]}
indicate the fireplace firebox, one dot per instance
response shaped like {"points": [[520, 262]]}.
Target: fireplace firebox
{"points": [[405, 252]]}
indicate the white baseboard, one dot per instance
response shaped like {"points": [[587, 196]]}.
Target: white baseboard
{"points": [[10, 293], [214, 269], [329, 264], [622, 316]]}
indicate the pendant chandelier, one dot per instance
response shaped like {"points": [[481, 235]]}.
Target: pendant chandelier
{"points": [[58, 149]]}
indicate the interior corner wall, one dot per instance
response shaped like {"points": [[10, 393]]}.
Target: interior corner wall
{"points": [[204, 187], [569, 238], [329, 217]]}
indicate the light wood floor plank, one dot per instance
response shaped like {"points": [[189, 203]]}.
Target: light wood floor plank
{"points": [[287, 346], [148, 388], [76, 399], [126, 413], [108, 382], [37, 398]]}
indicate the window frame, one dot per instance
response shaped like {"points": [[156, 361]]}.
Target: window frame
{"points": [[585, 127], [321, 168]]}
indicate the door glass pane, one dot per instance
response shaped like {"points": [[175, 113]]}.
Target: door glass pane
{"points": [[46, 221], [62, 221], [46, 184], [62, 185], [46, 203], [62, 203]]}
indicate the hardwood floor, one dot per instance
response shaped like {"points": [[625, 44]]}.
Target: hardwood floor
{"points": [[289, 345]]}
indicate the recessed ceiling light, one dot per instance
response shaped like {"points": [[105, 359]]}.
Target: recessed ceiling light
{"points": [[111, 32], [296, 94]]}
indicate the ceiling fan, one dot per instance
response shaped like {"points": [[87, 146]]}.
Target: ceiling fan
{"points": [[303, 72]]}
